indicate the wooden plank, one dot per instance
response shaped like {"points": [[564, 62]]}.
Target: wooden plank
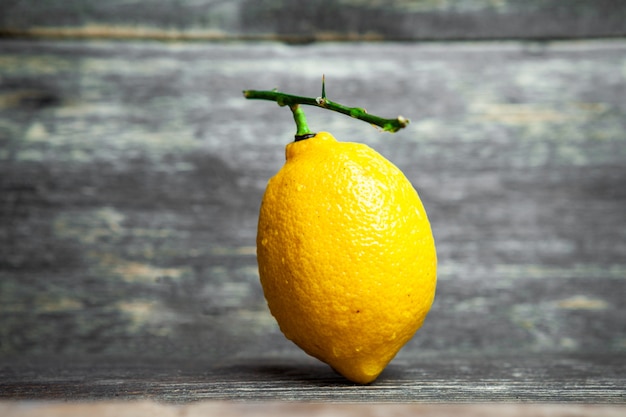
{"points": [[549, 378], [130, 179], [293, 21]]}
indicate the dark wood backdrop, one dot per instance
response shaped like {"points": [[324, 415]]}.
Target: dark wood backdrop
{"points": [[131, 172], [302, 21]]}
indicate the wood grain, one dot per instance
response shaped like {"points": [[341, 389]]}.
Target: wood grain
{"points": [[130, 179], [298, 22], [451, 378]]}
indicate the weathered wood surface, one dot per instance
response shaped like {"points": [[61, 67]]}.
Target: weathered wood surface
{"points": [[130, 179], [298, 21], [442, 378]]}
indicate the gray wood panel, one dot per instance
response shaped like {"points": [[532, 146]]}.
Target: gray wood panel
{"points": [[297, 21], [130, 179], [442, 379]]}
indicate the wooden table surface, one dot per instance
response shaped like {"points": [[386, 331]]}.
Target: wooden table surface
{"points": [[131, 175]]}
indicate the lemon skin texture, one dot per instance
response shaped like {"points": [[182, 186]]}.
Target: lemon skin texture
{"points": [[346, 255]]}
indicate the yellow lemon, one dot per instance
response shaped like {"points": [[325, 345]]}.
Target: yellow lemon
{"points": [[346, 255]]}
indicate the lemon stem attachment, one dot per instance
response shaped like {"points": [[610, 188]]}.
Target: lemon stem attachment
{"points": [[302, 128], [293, 101]]}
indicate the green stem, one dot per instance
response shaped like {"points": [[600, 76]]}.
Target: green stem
{"points": [[283, 99], [302, 128]]}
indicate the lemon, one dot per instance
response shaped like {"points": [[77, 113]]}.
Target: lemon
{"points": [[346, 255]]}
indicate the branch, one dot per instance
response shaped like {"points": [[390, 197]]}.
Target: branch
{"points": [[283, 99]]}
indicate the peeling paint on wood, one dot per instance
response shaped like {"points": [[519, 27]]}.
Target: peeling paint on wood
{"points": [[130, 179], [323, 20]]}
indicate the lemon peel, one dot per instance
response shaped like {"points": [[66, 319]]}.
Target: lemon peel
{"points": [[346, 255]]}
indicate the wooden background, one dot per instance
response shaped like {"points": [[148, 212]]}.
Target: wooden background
{"points": [[131, 172], [305, 21]]}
